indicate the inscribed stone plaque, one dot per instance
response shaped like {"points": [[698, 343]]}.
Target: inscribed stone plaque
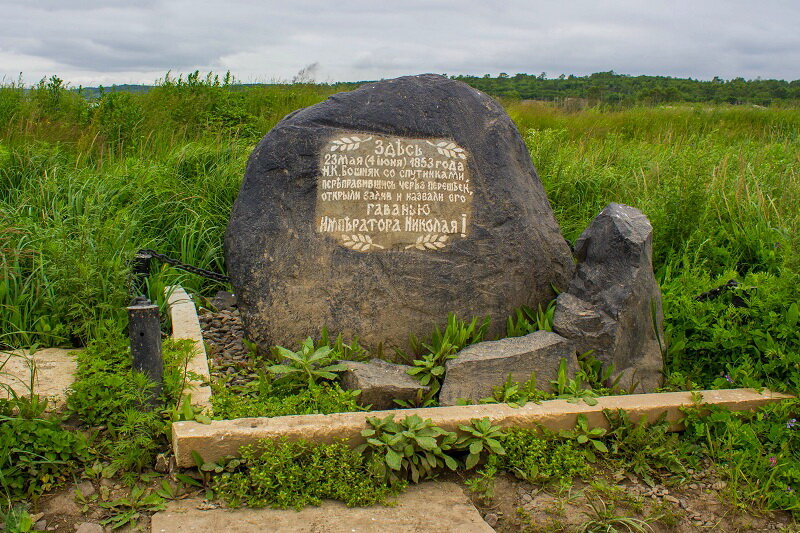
{"points": [[378, 192], [377, 213]]}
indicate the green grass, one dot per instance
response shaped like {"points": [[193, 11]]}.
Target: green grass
{"points": [[721, 187], [83, 184]]}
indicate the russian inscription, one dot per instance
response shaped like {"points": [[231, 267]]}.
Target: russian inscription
{"points": [[377, 192]]}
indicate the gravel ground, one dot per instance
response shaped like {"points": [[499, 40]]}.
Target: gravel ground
{"points": [[230, 359]]}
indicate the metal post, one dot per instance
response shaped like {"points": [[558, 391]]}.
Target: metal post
{"points": [[140, 269], [144, 329]]}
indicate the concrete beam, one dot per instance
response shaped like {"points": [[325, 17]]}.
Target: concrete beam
{"points": [[186, 325], [431, 506], [225, 437]]}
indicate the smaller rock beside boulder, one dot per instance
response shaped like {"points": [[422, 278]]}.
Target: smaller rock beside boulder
{"points": [[589, 326], [479, 368], [381, 383], [613, 304]]}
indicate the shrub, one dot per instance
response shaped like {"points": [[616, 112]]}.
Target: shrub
{"points": [[537, 459], [294, 474], [107, 387], [118, 116], [110, 395], [748, 336], [411, 449], [319, 399], [103, 398]]}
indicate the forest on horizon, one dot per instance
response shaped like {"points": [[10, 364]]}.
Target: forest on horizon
{"points": [[608, 88]]}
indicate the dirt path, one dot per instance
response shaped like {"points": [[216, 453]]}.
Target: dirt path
{"points": [[443, 506]]}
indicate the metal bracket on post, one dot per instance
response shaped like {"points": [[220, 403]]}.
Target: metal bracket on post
{"points": [[144, 330]]}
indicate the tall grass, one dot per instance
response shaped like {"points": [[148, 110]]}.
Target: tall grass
{"points": [[83, 184], [721, 187]]}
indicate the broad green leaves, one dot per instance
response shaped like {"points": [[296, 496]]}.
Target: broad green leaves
{"points": [[308, 365], [479, 437], [412, 448]]}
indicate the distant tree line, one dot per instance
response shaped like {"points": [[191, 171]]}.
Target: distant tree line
{"points": [[612, 88], [598, 88]]}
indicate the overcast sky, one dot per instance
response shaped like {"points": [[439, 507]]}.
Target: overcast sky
{"points": [[137, 41]]}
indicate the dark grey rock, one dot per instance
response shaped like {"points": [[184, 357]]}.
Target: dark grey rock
{"points": [[223, 301], [586, 322], [291, 280], [381, 383], [613, 304], [477, 369]]}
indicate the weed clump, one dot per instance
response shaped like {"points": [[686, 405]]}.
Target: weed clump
{"points": [[286, 474], [758, 452], [37, 455], [260, 399], [110, 397], [537, 459]]}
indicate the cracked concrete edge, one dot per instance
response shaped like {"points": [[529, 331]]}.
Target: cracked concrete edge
{"points": [[223, 438], [186, 325]]}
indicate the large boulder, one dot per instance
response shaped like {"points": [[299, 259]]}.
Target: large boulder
{"points": [[478, 368], [613, 304], [381, 383], [381, 210]]}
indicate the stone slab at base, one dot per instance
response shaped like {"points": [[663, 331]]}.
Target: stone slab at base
{"points": [[224, 437], [427, 507], [186, 325], [55, 373]]}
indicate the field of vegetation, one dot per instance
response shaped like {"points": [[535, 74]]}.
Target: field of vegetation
{"points": [[610, 88], [84, 183]]}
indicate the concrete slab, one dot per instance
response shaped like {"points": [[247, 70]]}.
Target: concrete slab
{"points": [[428, 507], [225, 437], [186, 325], [54, 373]]}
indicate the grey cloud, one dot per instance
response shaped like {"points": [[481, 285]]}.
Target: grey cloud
{"points": [[360, 39]]}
